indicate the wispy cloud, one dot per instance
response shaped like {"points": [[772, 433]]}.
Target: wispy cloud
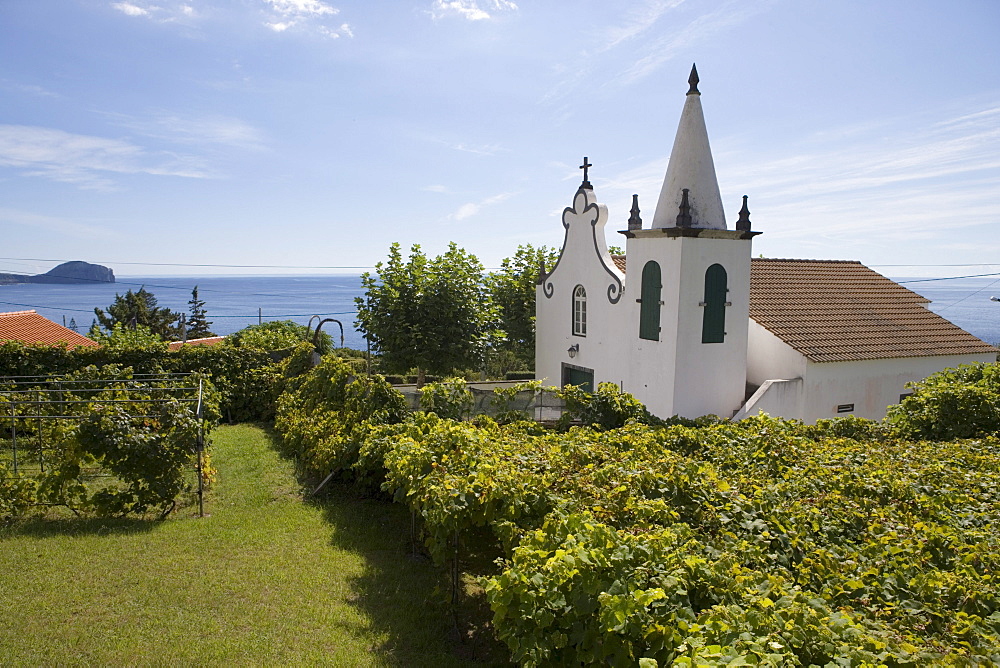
{"points": [[195, 130], [666, 31], [658, 52], [130, 9], [309, 15], [471, 10], [638, 21], [472, 208], [302, 7], [165, 11], [53, 224], [84, 160], [482, 149], [847, 193], [435, 189], [28, 89]]}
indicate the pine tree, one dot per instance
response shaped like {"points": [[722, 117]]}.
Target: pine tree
{"points": [[197, 324], [139, 308], [72, 324]]}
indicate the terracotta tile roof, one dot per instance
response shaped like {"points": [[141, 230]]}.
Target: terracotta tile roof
{"points": [[833, 311], [619, 262], [207, 341], [838, 310], [30, 327]]}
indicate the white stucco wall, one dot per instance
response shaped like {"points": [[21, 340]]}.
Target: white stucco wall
{"points": [[680, 375], [769, 357], [870, 385], [777, 397], [584, 260]]}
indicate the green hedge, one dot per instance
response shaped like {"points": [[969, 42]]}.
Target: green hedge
{"points": [[248, 379]]}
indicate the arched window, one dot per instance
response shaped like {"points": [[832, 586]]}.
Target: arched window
{"points": [[649, 302], [579, 311], [713, 328]]}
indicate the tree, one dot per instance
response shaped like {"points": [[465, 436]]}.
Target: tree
{"points": [[139, 308], [512, 289], [277, 335], [72, 324], [122, 337], [432, 315], [197, 324]]}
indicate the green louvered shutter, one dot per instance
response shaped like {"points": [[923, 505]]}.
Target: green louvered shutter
{"points": [[713, 329], [649, 303]]}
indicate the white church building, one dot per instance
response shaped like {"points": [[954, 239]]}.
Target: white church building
{"points": [[696, 326]]}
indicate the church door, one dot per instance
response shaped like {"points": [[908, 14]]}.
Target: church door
{"points": [[577, 375]]}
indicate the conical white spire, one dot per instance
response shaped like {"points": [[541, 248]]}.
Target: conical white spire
{"points": [[690, 169]]}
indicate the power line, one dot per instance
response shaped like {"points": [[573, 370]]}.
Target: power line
{"points": [[213, 316], [973, 264], [946, 278]]}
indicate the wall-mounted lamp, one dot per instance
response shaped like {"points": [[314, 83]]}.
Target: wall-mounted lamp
{"points": [[573, 350]]}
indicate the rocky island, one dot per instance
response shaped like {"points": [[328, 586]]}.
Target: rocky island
{"points": [[67, 272]]}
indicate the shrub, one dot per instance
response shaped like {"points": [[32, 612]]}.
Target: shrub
{"points": [[277, 335], [139, 434], [954, 403], [607, 408], [325, 414], [247, 379], [449, 398], [17, 493]]}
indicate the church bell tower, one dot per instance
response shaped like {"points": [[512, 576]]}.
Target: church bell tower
{"points": [[689, 286]]}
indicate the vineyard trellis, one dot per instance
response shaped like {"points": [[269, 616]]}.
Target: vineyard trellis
{"points": [[38, 414]]}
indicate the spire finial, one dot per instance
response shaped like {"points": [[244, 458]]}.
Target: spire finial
{"points": [[743, 224], [693, 80], [586, 182], [634, 221], [684, 213]]}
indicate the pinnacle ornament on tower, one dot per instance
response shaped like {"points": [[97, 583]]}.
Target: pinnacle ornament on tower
{"points": [[634, 221]]}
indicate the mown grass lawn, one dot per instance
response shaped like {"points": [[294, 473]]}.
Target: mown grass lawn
{"points": [[266, 579]]}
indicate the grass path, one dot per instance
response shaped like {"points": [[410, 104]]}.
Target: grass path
{"points": [[266, 579]]}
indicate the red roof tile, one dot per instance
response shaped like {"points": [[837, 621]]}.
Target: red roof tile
{"points": [[840, 310], [207, 341], [29, 327]]}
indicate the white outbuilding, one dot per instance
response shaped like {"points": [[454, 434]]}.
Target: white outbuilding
{"points": [[698, 327]]}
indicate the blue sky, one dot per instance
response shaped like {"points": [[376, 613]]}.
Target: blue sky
{"points": [[307, 133]]}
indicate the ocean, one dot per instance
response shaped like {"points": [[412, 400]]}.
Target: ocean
{"points": [[233, 302]]}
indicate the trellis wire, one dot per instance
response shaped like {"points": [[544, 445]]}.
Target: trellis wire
{"points": [[42, 385]]}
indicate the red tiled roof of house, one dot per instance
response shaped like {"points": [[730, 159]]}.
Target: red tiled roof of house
{"points": [[840, 310], [29, 327], [207, 341]]}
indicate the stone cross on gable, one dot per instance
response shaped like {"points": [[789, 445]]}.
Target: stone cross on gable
{"points": [[585, 166]]}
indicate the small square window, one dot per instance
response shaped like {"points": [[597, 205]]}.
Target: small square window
{"points": [[904, 395], [845, 408]]}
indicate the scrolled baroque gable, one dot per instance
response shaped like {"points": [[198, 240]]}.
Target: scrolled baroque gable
{"points": [[584, 234]]}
